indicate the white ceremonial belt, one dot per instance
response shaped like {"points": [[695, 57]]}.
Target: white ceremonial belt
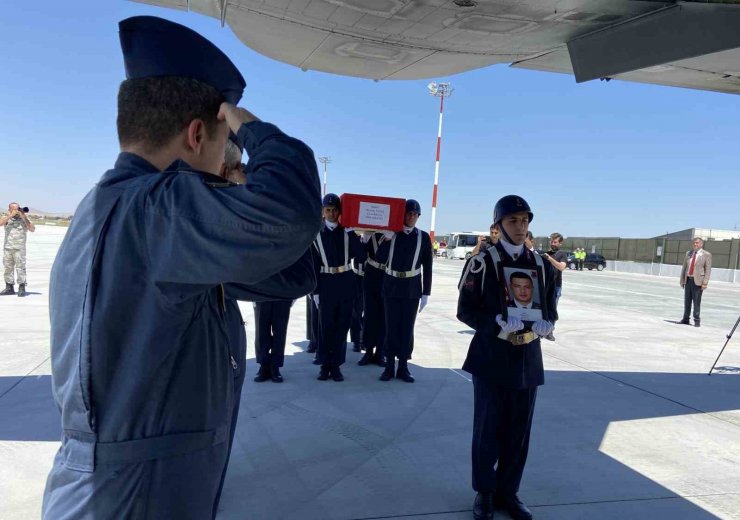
{"points": [[336, 270], [359, 271], [403, 274], [376, 264]]}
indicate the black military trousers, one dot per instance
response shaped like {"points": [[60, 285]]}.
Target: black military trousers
{"points": [[373, 331], [691, 295], [355, 331], [314, 329], [335, 317], [271, 321], [400, 317], [501, 424]]}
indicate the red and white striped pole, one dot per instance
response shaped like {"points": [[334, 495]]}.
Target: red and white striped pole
{"points": [[439, 90], [324, 161]]}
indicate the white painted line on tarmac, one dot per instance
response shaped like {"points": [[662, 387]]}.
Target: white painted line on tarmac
{"points": [[466, 378], [662, 297]]}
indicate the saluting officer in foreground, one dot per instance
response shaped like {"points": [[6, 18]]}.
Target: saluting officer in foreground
{"points": [[334, 250], [144, 321], [504, 358], [407, 284]]}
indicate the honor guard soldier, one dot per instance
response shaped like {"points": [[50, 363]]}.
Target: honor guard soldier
{"points": [[335, 248], [271, 329], [504, 358], [373, 330], [407, 283], [145, 327]]}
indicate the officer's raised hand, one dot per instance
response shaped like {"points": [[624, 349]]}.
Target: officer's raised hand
{"points": [[235, 116]]}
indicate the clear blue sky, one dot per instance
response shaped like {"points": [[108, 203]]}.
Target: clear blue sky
{"points": [[616, 159]]}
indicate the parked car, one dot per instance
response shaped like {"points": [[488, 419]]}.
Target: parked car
{"points": [[592, 261]]}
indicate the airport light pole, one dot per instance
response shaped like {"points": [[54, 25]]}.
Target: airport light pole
{"points": [[440, 90], [324, 160]]}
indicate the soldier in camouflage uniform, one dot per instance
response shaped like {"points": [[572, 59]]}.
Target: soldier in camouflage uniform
{"points": [[16, 225]]}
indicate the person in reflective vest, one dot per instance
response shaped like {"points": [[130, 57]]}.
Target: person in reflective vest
{"points": [[504, 357], [334, 250], [407, 284]]}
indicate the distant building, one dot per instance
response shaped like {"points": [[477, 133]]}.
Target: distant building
{"points": [[705, 233]]}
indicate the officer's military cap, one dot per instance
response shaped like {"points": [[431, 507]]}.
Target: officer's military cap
{"points": [[413, 205], [155, 47], [331, 199], [508, 205]]}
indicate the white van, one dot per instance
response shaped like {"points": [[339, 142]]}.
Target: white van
{"points": [[461, 243]]}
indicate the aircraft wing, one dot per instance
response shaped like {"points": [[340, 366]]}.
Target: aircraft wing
{"points": [[693, 44]]}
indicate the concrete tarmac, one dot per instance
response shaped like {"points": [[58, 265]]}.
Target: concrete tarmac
{"points": [[627, 426]]}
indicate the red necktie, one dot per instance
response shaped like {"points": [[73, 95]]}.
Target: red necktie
{"points": [[691, 266]]}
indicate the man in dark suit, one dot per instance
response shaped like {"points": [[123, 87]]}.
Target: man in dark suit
{"points": [[407, 284], [505, 360]]}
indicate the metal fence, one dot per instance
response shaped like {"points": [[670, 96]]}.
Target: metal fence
{"points": [[725, 253]]}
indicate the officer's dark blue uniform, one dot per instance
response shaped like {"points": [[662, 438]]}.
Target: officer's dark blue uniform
{"points": [[505, 375], [355, 329], [333, 252], [147, 342], [373, 331], [271, 328], [408, 277]]}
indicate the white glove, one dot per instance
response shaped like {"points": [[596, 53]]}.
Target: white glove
{"points": [[316, 300], [513, 324], [542, 327], [366, 236], [423, 302], [388, 235]]}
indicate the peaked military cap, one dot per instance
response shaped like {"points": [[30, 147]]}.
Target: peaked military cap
{"points": [[155, 47]]}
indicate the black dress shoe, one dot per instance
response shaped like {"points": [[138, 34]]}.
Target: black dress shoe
{"points": [[696, 322], [684, 321], [276, 376], [515, 507], [263, 374], [323, 374], [366, 359], [388, 373], [379, 359], [336, 375], [483, 506], [404, 375]]}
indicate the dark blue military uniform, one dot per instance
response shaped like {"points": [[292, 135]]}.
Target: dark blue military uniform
{"points": [[271, 329], [373, 332], [358, 321], [333, 252], [505, 376], [408, 276]]}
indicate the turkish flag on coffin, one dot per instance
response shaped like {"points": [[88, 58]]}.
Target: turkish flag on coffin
{"points": [[372, 212]]}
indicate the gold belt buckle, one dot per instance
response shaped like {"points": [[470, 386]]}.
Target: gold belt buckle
{"points": [[521, 339]]}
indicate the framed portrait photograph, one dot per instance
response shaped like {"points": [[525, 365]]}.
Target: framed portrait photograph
{"points": [[523, 297]]}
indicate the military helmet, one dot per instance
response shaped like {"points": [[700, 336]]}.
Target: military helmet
{"points": [[331, 199], [413, 205], [508, 205]]}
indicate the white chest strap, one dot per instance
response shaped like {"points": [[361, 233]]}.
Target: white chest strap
{"points": [[326, 268], [414, 270]]}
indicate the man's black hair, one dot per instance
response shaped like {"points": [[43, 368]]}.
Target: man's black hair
{"points": [[522, 275], [151, 111]]}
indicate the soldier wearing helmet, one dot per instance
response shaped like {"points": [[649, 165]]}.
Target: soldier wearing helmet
{"points": [[335, 248], [504, 358], [407, 283]]}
